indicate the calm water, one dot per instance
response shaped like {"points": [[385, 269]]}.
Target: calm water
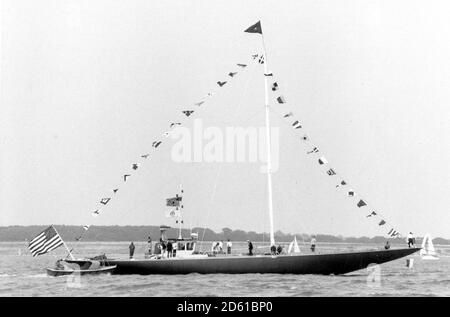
{"points": [[23, 275]]}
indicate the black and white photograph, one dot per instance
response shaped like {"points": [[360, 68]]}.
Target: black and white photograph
{"points": [[194, 149]]}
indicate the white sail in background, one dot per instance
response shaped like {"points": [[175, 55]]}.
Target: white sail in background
{"points": [[293, 246], [428, 252]]}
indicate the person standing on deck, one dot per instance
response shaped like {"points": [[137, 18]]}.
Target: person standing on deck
{"points": [[221, 246], [216, 248], [273, 250], [279, 249], [410, 240], [313, 244], [163, 247], [169, 249], [131, 247], [229, 245], [250, 247], [175, 248]]}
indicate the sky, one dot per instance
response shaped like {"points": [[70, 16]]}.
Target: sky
{"points": [[87, 86]]}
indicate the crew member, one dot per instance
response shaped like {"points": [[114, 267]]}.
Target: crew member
{"points": [[279, 249], [273, 250], [175, 248], [313, 244], [216, 248], [229, 245], [410, 240], [131, 247], [250, 247], [163, 247], [169, 249]]}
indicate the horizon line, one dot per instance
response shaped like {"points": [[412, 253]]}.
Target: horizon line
{"points": [[264, 233]]}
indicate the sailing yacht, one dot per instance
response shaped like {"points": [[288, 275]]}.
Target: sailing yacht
{"points": [[187, 259], [293, 263], [427, 252]]}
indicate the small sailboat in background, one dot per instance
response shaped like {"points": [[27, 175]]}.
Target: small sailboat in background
{"points": [[428, 252], [293, 247]]}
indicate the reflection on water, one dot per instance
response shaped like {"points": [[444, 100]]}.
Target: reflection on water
{"points": [[23, 275]]}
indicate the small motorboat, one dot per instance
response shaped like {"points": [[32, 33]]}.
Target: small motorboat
{"points": [[59, 272], [80, 267]]}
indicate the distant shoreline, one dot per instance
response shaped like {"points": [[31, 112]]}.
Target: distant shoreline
{"points": [[141, 233]]}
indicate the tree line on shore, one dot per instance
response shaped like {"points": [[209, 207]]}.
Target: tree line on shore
{"points": [[141, 233]]}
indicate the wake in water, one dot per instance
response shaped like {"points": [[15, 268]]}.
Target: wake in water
{"points": [[42, 275]]}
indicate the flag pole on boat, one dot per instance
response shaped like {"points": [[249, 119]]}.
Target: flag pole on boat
{"points": [[256, 28], [65, 245]]}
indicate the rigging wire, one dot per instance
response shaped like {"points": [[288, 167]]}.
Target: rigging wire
{"points": [[219, 169]]}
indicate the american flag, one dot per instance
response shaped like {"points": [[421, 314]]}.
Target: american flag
{"points": [[46, 241]]}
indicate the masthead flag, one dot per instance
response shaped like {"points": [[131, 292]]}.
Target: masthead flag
{"points": [[255, 28], [44, 242]]}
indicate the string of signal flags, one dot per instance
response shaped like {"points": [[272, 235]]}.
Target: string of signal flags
{"points": [[146, 156], [316, 154]]}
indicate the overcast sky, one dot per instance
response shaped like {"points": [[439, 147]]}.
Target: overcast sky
{"points": [[87, 86]]}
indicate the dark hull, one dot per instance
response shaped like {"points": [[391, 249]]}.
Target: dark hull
{"points": [[338, 263]]}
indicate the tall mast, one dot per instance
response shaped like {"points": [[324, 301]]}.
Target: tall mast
{"points": [[268, 141], [179, 228], [181, 209]]}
